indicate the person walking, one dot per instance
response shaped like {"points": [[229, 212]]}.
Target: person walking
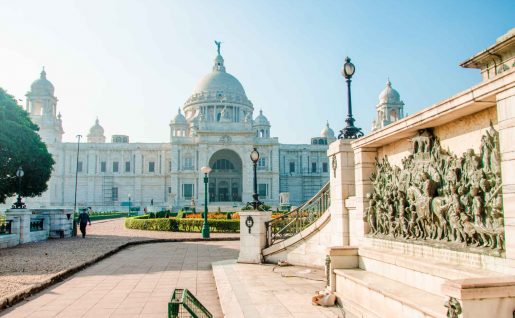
{"points": [[83, 221]]}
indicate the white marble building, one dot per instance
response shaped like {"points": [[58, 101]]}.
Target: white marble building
{"points": [[216, 127]]}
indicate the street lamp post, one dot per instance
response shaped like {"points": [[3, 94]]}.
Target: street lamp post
{"points": [[19, 204], [205, 226], [254, 156], [129, 213], [76, 173], [350, 131]]}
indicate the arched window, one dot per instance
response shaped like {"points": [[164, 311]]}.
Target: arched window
{"points": [[223, 164]]}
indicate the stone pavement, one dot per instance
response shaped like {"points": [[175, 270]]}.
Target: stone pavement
{"points": [[31, 265], [136, 282], [262, 291]]}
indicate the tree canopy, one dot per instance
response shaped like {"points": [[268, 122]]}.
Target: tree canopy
{"points": [[21, 146]]}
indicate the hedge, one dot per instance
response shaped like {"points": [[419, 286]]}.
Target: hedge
{"points": [[182, 225]]}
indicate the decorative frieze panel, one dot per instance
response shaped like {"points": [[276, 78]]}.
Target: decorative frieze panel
{"points": [[440, 198]]}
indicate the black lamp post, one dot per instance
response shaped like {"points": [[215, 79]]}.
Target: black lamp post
{"points": [[254, 156], [350, 131], [205, 226], [129, 196], [19, 204]]}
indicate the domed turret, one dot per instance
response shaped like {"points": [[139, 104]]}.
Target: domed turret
{"points": [[390, 107], [389, 95], [262, 126], [179, 119], [42, 85], [96, 133], [178, 125], [327, 132]]}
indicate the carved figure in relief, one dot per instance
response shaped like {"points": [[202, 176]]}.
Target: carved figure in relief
{"points": [[438, 196]]}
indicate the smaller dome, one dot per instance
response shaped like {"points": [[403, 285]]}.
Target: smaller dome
{"points": [[179, 119], [96, 133], [261, 120], [96, 130], [42, 85], [327, 132], [389, 95]]}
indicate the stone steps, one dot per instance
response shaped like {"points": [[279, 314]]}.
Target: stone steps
{"points": [[369, 295], [416, 271]]}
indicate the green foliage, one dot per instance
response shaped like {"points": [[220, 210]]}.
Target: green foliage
{"points": [[261, 207], [181, 215], [228, 216], [21, 146], [181, 225]]}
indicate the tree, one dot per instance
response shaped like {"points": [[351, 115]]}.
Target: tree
{"points": [[21, 146]]}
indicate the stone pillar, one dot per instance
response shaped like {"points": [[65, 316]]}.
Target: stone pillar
{"points": [[341, 162], [364, 159], [251, 244], [21, 216], [506, 120]]}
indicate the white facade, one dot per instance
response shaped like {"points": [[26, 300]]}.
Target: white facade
{"points": [[214, 128]]}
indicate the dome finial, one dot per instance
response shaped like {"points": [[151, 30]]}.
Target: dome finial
{"points": [[327, 124], [218, 44], [97, 122], [388, 83], [261, 112], [179, 110], [43, 73]]}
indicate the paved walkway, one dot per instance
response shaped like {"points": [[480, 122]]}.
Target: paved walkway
{"points": [[29, 265], [262, 291], [136, 282]]}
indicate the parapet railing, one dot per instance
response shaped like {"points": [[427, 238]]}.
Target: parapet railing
{"points": [[293, 222], [5, 226], [185, 304], [36, 224]]}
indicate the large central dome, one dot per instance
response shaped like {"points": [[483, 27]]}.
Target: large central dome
{"points": [[219, 82], [217, 87]]}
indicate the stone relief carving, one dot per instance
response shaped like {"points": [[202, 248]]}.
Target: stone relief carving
{"points": [[437, 196], [334, 165], [453, 308], [225, 139]]}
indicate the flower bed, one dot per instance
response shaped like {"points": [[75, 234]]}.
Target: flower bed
{"points": [[181, 225]]}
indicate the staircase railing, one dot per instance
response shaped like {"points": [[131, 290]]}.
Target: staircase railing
{"points": [[293, 222], [184, 304]]}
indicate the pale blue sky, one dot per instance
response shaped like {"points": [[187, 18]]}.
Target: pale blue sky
{"points": [[134, 63]]}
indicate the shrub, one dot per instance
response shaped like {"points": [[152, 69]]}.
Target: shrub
{"points": [[169, 224], [180, 215], [181, 225]]}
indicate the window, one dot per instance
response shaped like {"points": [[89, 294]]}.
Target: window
{"points": [[151, 166], [127, 166], [115, 166], [263, 190], [262, 163], [114, 193], [292, 166], [188, 163], [170, 165], [169, 189], [223, 164], [187, 191], [324, 167], [103, 166], [79, 166], [313, 167]]}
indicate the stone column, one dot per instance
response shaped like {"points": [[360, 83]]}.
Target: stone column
{"points": [[506, 120], [364, 159], [341, 163], [23, 217], [252, 241]]}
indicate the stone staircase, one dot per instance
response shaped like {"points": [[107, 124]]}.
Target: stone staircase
{"points": [[377, 282]]}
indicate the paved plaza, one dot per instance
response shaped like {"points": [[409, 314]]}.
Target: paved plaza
{"points": [[28, 265], [136, 282]]}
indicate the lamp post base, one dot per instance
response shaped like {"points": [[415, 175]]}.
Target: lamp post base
{"points": [[350, 132], [205, 230]]}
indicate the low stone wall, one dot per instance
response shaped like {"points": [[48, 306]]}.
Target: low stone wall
{"points": [[9, 240], [307, 248]]}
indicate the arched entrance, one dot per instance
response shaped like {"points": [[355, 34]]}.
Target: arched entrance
{"points": [[225, 180]]}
